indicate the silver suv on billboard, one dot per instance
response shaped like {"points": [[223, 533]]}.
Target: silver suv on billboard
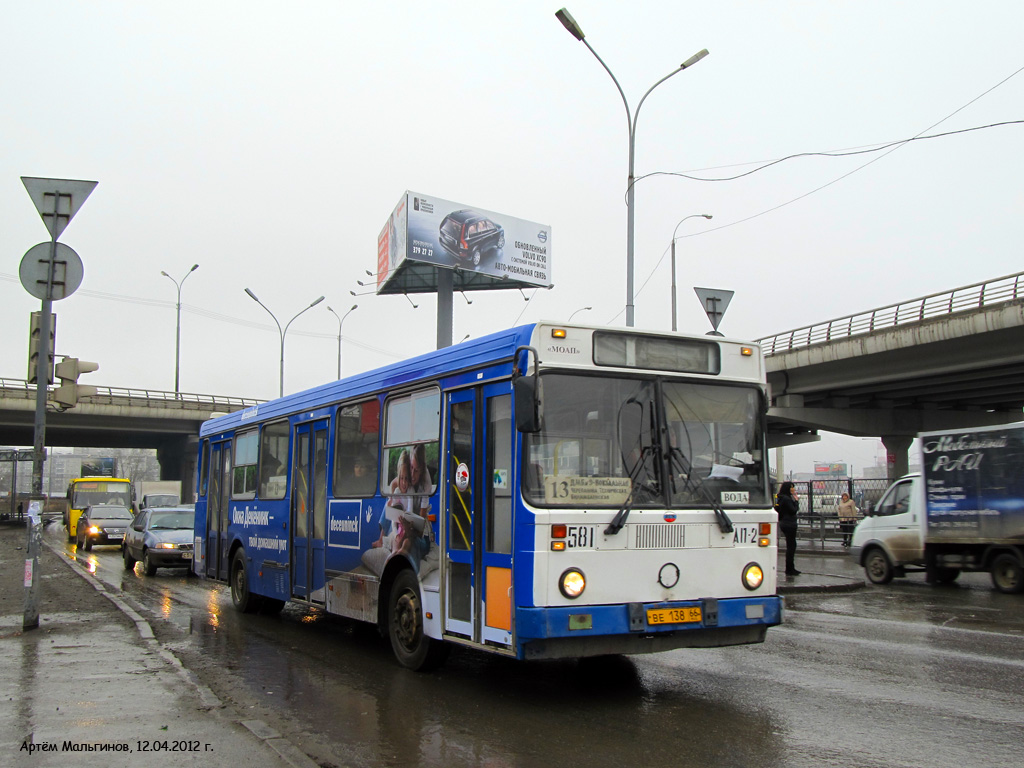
{"points": [[467, 235]]}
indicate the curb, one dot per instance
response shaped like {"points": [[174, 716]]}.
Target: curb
{"points": [[208, 699]]}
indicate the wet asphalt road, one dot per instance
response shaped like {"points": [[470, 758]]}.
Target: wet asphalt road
{"points": [[902, 675]]}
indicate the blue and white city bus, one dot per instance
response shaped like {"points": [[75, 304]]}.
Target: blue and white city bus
{"points": [[549, 491]]}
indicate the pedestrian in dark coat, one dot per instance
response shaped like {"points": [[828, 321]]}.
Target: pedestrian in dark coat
{"points": [[787, 505]]}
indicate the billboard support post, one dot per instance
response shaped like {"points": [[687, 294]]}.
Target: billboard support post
{"points": [[444, 308]]}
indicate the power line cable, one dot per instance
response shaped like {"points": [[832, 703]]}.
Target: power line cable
{"points": [[891, 146], [837, 153], [211, 315]]}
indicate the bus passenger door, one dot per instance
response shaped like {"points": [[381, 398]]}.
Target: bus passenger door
{"points": [[224, 516], [478, 522], [217, 511], [309, 510]]}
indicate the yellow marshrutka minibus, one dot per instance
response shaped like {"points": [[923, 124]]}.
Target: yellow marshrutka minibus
{"points": [[83, 491]]}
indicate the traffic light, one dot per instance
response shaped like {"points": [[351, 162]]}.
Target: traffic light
{"points": [[33, 347], [69, 391]]}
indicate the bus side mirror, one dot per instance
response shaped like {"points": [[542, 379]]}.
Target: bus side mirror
{"points": [[527, 399]]}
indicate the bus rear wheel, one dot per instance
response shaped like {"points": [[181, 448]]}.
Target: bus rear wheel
{"points": [[243, 600], [413, 649]]}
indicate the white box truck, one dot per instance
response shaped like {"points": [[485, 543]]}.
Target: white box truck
{"points": [[963, 512], [156, 493]]}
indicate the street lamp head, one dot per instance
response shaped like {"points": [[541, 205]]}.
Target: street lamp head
{"points": [[194, 268], [316, 302], [252, 295], [685, 218], [353, 307], [164, 273], [694, 59], [569, 23]]}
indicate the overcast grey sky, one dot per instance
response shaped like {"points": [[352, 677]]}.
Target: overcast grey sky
{"points": [[269, 142]]}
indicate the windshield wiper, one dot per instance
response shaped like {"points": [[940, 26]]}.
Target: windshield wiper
{"points": [[620, 518], [678, 459]]}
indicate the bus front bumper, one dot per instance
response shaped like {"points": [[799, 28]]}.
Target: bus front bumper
{"points": [[590, 630]]}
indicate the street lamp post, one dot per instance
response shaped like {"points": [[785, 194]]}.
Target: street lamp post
{"points": [[177, 331], [341, 322], [631, 117], [691, 216], [279, 329]]}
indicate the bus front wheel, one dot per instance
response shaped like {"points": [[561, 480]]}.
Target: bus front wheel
{"points": [[413, 649], [243, 600]]}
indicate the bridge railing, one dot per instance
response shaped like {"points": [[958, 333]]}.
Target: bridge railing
{"points": [[152, 398], [1001, 290]]}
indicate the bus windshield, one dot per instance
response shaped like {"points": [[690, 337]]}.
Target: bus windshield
{"points": [[90, 492], [610, 441]]}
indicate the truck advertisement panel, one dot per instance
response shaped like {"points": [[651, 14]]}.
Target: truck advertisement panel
{"points": [[434, 231], [974, 484]]}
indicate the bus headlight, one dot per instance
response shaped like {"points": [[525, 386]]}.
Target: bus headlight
{"points": [[93, 529], [572, 583], [753, 576]]}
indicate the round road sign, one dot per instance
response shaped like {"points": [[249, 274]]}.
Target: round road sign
{"points": [[67, 272]]}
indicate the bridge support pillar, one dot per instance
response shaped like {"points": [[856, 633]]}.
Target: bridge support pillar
{"points": [[178, 462], [897, 448]]}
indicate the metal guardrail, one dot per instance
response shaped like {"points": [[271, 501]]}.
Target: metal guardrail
{"points": [[818, 516], [186, 401], [989, 293]]}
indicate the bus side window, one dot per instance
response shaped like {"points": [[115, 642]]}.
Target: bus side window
{"points": [[356, 454], [273, 460], [243, 483], [204, 464]]}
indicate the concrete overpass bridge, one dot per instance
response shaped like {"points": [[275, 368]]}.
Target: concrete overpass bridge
{"points": [[119, 418], [942, 361]]}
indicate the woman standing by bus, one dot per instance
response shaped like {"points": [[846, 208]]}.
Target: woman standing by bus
{"points": [[847, 518], [787, 506]]}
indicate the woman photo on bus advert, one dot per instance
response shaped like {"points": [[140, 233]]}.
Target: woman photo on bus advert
{"points": [[787, 505]]}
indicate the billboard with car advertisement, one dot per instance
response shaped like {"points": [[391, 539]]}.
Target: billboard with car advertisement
{"points": [[429, 230]]}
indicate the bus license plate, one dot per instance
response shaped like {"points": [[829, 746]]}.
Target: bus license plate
{"points": [[186, 555], [659, 616]]}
